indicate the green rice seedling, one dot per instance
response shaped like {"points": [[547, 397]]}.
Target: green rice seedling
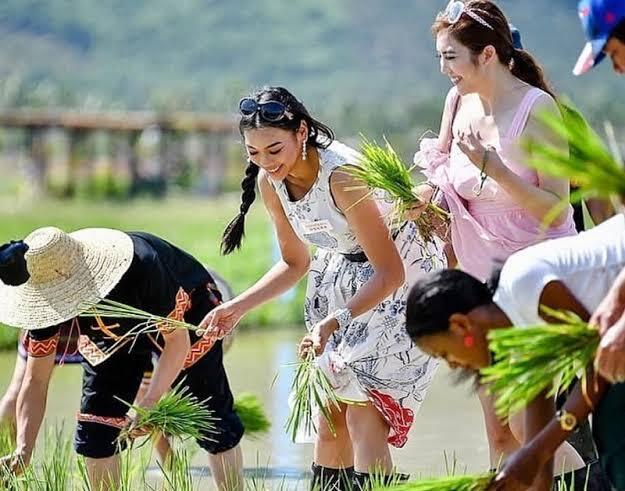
{"points": [[7, 440], [310, 388], [478, 482], [253, 417], [177, 414], [531, 360], [82, 476], [56, 468], [177, 475], [148, 323], [380, 168]]}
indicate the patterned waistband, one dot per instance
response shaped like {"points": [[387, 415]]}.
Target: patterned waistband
{"points": [[115, 422]]}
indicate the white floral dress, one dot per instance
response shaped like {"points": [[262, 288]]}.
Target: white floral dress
{"points": [[373, 358]]}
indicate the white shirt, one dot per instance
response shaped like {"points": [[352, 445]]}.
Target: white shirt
{"points": [[587, 264]]}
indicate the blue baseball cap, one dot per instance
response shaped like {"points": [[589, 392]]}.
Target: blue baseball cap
{"points": [[599, 18]]}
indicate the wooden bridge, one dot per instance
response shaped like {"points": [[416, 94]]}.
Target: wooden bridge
{"points": [[212, 135]]}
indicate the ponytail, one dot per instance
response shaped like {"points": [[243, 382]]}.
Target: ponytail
{"points": [[233, 235], [525, 67]]}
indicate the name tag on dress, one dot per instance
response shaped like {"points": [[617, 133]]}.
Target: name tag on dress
{"points": [[317, 226]]}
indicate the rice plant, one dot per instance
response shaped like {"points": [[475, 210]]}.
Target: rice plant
{"points": [[252, 415], [531, 360], [57, 465], [479, 482], [311, 388], [177, 476], [380, 168], [149, 323], [177, 414]]}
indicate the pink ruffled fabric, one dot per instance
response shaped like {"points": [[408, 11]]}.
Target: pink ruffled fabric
{"points": [[485, 229]]}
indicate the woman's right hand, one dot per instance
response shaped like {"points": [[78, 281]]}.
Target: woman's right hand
{"points": [[220, 321], [424, 193]]}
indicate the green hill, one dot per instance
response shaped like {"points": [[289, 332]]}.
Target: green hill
{"points": [[349, 59]]}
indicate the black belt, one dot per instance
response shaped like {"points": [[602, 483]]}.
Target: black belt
{"points": [[361, 257]]}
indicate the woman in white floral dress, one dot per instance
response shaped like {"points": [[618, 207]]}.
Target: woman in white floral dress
{"points": [[358, 281]]}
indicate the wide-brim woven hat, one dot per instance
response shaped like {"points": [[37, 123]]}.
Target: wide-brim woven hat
{"points": [[68, 273]]}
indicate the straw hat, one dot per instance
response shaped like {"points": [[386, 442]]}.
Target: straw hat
{"points": [[67, 272]]}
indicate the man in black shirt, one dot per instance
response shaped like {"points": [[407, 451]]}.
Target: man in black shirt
{"points": [[50, 278]]}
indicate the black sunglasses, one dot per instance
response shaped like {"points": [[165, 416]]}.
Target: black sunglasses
{"points": [[271, 111]]}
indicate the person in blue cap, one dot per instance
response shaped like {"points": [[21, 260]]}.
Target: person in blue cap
{"points": [[603, 22]]}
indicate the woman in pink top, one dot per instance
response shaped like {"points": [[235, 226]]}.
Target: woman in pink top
{"points": [[498, 203]]}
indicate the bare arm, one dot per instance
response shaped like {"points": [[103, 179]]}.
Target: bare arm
{"points": [[374, 237], [600, 209], [293, 264], [537, 415], [169, 366], [544, 434], [550, 192], [31, 403]]}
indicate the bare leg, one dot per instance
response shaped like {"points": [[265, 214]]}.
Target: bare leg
{"points": [[501, 441], [334, 451], [103, 473], [9, 399], [369, 434], [227, 469]]}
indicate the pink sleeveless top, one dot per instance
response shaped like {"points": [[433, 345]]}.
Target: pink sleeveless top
{"points": [[488, 228]]}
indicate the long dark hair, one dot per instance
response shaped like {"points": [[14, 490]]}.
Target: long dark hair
{"points": [[436, 297], [476, 37], [319, 136]]}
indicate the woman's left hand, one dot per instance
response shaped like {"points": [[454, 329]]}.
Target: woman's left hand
{"points": [[471, 144]]}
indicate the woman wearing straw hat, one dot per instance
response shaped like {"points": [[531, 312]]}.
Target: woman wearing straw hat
{"points": [[67, 353], [51, 277]]}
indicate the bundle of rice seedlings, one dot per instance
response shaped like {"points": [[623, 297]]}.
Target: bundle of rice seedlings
{"points": [[253, 417], [451, 483], [310, 388], [531, 360], [587, 161], [380, 168], [147, 323], [107, 308], [177, 414]]}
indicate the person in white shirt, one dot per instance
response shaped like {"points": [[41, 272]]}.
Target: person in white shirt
{"points": [[449, 314]]}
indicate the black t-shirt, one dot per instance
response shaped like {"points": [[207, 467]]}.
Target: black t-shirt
{"points": [[159, 270]]}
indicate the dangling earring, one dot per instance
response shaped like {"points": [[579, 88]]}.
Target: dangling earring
{"points": [[304, 152], [511, 64]]}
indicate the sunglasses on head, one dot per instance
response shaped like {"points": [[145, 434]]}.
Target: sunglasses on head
{"points": [[456, 8], [271, 111]]}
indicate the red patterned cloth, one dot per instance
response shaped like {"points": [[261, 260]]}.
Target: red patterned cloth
{"points": [[399, 418]]}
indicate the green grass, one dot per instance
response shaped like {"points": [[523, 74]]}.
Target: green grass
{"points": [[193, 224]]}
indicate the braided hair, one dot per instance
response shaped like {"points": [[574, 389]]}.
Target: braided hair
{"points": [[319, 136]]}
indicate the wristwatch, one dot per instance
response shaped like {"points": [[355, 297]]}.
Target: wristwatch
{"points": [[568, 421], [343, 317]]}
